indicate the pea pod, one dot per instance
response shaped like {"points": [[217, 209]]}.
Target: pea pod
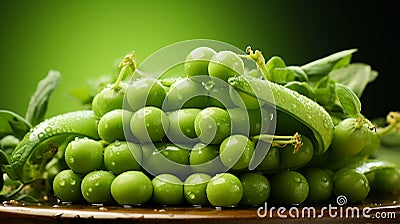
{"points": [[294, 106], [41, 143]]}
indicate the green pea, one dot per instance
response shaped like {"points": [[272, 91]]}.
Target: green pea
{"points": [[245, 100], [294, 160], [122, 156], [145, 92], [186, 93], [196, 62], [168, 190], [224, 190], [386, 180], [289, 188], [194, 189], [149, 124], [351, 184], [204, 159], [250, 122], [320, 183], [219, 95], [109, 99], [236, 152], [181, 125], [67, 186], [131, 188], [111, 125], [225, 64], [96, 187], [350, 137], [212, 125], [256, 189], [83, 155], [271, 161], [174, 152]]}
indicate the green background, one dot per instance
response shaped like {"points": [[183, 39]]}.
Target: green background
{"points": [[85, 39]]}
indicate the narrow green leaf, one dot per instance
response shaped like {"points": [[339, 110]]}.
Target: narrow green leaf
{"points": [[13, 124], [38, 102], [323, 66], [348, 99]]}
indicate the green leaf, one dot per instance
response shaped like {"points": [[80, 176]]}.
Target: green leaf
{"points": [[321, 67], [348, 99], [3, 158], [38, 102], [356, 76], [85, 93], [302, 88], [13, 124]]}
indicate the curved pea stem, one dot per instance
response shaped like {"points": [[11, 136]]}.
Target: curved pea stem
{"points": [[281, 141], [393, 119], [259, 59], [128, 62]]}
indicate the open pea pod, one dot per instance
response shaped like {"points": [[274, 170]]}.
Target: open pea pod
{"points": [[296, 110], [41, 143]]}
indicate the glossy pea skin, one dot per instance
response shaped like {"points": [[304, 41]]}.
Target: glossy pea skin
{"points": [[224, 190], [349, 137], [256, 189], [352, 184], [186, 93], [289, 188], [295, 160], [320, 183], [236, 152], [131, 188], [149, 124], [168, 190], [271, 161], [219, 95], [181, 125], [196, 62], [250, 122], [244, 100], [111, 125], [204, 159], [96, 187], [225, 64], [121, 156], [386, 180], [145, 92], [194, 189], [212, 125], [173, 152], [109, 99], [83, 155], [67, 186]]}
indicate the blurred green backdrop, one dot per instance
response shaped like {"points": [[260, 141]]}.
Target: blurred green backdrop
{"points": [[85, 39]]}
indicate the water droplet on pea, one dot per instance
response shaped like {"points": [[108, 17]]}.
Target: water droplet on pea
{"points": [[72, 182], [41, 135], [89, 190], [62, 183], [192, 196], [297, 180], [71, 159], [97, 184]]}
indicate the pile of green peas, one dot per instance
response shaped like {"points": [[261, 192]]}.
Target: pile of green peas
{"points": [[200, 123]]}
